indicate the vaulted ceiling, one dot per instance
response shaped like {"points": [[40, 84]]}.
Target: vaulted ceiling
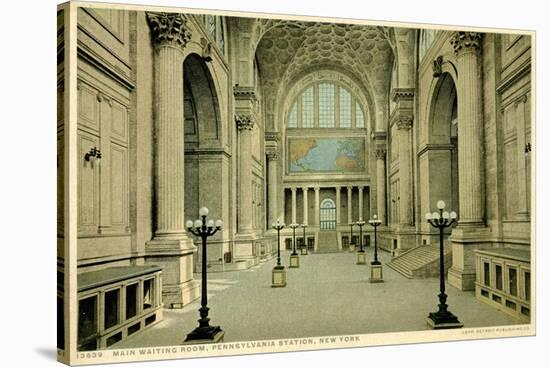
{"points": [[286, 49]]}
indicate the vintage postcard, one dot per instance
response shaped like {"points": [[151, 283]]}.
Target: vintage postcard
{"points": [[239, 183]]}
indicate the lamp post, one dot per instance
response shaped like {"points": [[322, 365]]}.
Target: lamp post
{"points": [[204, 332], [351, 244], [442, 319], [304, 245], [278, 277], [361, 256], [294, 258], [376, 275]]}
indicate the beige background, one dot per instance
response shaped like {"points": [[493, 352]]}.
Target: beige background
{"points": [[517, 349]]}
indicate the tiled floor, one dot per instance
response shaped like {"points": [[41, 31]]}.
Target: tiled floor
{"points": [[328, 295]]}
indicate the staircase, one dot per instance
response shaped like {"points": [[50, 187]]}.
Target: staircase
{"points": [[420, 262], [327, 242]]}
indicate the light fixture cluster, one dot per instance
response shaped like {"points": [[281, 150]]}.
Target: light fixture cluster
{"points": [[442, 217]]}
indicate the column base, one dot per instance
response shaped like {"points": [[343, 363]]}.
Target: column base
{"points": [[461, 279], [175, 257], [294, 261], [361, 258], [465, 239], [443, 320], [179, 295], [245, 248], [376, 275], [212, 334], [278, 277]]}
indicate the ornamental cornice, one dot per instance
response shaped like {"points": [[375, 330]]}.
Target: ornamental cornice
{"points": [[169, 28], [398, 94], [273, 136], [244, 93], [465, 41]]}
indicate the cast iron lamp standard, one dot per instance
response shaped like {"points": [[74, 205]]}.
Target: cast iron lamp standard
{"points": [[351, 247], [361, 256], [304, 245], [204, 333], [376, 275], [294, 258], [442, 319], [278, 276]]}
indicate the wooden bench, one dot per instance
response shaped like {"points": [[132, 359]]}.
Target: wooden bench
{"points": [[503, 280], [117, 302]]}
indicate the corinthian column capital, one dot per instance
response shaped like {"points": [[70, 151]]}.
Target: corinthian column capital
{"points": [[380, 153], [169, 28], [465, 41], [244, 121], [404, 122]]}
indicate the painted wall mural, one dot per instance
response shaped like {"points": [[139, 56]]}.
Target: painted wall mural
{"points": [[326, 155]]}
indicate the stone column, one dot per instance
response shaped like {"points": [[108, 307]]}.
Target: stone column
{"points": [[471, 232], [317, 206], [272, 158], [381, 184], [304, 202], [338, 205], [360, 211], [523, 212], [245, 124], [350, 212], [405, 189], [170, 247], [293, 189], [470, 127]]}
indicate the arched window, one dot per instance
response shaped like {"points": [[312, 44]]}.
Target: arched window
{"points": [[427, 37], [327, 215], [215, 28], [326, 105]]}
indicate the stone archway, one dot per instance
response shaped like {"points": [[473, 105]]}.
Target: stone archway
{"points": [[443, 145]]}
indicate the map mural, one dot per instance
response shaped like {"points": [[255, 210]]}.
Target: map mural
{"points": [[326, 155]]}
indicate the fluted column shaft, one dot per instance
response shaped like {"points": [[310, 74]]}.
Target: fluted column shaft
{"points": [[272, 187], [245, 125], [304, 203], [350, 212], [521, 164], [381, 184], [317, 206], [170, 165], [470, 127], [360, 211], [338, 205], [293, 189], [405, 174]]}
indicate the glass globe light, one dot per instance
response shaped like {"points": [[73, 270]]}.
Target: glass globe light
{"points": [[375, 216], [198, 223], [445, 215], [219, 223], [189, 224], [203, 212], [428, 216], [435, 215], [210, 223], [453, 215], [440, 204]]}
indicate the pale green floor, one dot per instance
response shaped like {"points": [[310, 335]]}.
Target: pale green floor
{"points": [[328, 295]]}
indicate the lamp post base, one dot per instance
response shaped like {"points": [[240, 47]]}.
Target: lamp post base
{"points": [[278, 277], [361, 258], [443, 320], [303, 251], [376, 275], [203, 335], [351, 248], [294, 261]]}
